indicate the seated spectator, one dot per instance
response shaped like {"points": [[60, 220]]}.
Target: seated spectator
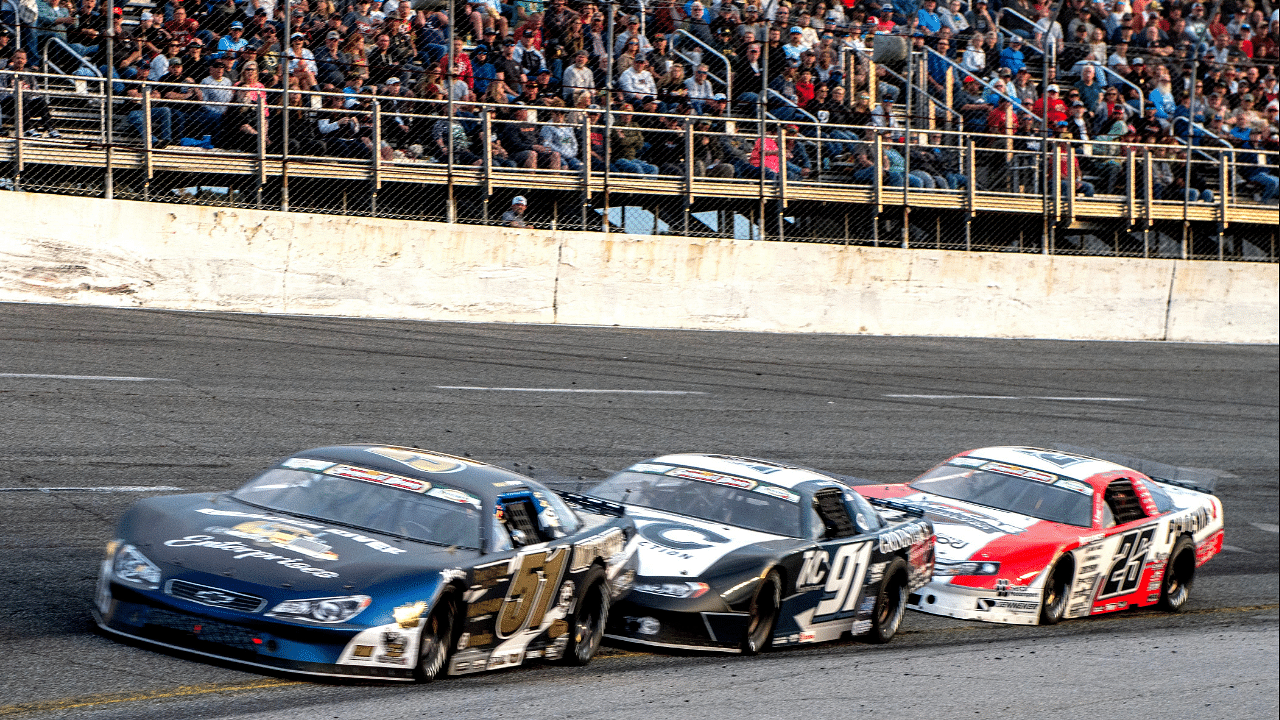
{"points": [[523, 142], [637, 82], [1011, 57], [969, 103], [627, 145], [36, 115]]}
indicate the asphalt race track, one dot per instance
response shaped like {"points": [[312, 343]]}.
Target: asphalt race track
{"points": [[101, 407]]}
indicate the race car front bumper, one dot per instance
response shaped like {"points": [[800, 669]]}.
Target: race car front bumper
{"points": [[307, 651], [706, 631], [1011, 606]]}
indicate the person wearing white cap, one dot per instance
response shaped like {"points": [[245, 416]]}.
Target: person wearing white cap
{"points": [[302, 62], [795, 46], [515, 216]]}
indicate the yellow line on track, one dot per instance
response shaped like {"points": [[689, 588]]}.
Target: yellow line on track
{"points": [[110, 699]]}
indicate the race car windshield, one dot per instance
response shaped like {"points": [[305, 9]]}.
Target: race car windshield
{"points": [[717, 503], [1006, 492], [378, 508]]}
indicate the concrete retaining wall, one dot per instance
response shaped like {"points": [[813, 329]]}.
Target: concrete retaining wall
{"points": [[132, 254]]}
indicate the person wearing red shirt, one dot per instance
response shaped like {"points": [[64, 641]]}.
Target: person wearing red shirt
{"points": [[1057, 108], [181, 28], [804, 87]]}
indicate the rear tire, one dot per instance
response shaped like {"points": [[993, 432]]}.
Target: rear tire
{"points": [[763, 614], [436, 640], [891, 603], [590, 614], [1179, 574], [1057, 590]]}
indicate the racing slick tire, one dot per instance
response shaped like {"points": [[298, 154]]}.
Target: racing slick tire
{"points": [[891, 603], [1057, 590], [1179, 574], [436, 640], [590, 615], [763, 614]]}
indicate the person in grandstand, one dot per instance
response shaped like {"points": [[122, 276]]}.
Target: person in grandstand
{"points": [[515, 216]]}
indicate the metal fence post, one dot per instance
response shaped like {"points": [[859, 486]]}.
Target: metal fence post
{"points": [[586, 169], [688, 174], [18, 132], [146, 140], [486, 135], [376, 180], [1147, 191], [262, 145], [970, 200], [781, 203]]}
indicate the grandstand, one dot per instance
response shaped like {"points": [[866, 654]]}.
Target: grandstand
{"points": [[1139, 129]]}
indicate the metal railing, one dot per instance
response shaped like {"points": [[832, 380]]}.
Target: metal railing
{"points": [[727, 81], [699, 175]]}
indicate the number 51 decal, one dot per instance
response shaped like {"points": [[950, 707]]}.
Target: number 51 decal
{"points": [[532, 589], [840, 594]]}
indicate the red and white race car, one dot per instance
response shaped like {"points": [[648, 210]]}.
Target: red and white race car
{"points": [[1029, 536]]}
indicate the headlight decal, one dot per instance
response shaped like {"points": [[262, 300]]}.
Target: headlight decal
{"points": [[328, 611], [132, 567], [968, 567]]}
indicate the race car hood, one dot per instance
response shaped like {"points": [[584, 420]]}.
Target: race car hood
{"points": [[214, 535], [672, 545], [1022, 545]]}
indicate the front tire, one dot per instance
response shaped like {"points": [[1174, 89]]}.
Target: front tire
{"points": [[436, 640], [1057, 590], [891, 604], [1179, 574], [591, 613], [763, 614]]}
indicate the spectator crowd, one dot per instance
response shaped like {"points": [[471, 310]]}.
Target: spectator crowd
{"points": [[1111, 77]]}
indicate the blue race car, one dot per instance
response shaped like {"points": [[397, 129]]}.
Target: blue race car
{"points": [[370, 561]]}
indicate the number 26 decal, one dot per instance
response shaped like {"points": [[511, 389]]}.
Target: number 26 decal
{"points": [[533, 588]]}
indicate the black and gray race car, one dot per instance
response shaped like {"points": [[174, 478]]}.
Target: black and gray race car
{"points": [[369, 560], [736, 554]]}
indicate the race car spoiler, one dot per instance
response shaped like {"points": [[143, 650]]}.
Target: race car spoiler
{"points": [[899, 506], [1183, 484], [593, 504]]}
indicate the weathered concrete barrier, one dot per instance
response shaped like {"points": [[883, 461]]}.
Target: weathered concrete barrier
{"points": [[134, 254]]}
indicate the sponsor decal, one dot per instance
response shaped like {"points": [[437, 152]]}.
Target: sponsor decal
{"points": [[393, 648], [1110, 607], [812, 570], [1016, 471], [1207, 549], [378, 477], [452, 495], [407, 616], [322, 530], [678, 536], [285, 536], [903, 537], [712, 477], [868, 604], [363, 651], [953, 542], [1075, 486], [508, 483], [1192, 523], [463, 640], [650, 468], [806, 636], [780, 493], [419, 460], [984, 523], [861, 627], [1013, 606], [306, 464], [242, 552], [605, 545], [1089, 569], [1054, 458], [876, 571], [967, 462]]}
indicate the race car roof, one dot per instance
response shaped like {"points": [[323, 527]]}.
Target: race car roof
{"points": [[768, 471], [481, 479], [1071, 465]]}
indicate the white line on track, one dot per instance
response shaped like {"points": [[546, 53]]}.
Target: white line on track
{"points": [[38, 376], [102, 489], [1267, 527], [1016, 397], [572, 390]]}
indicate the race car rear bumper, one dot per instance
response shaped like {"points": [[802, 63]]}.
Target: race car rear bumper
{"points": [[1016, 606]]}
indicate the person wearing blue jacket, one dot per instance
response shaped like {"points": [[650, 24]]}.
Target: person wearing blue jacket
{"points": [[1011, 57]]}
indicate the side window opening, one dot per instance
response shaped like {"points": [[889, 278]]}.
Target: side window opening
{"points": [[1123, 501], [519, 517], [830, 507]]}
